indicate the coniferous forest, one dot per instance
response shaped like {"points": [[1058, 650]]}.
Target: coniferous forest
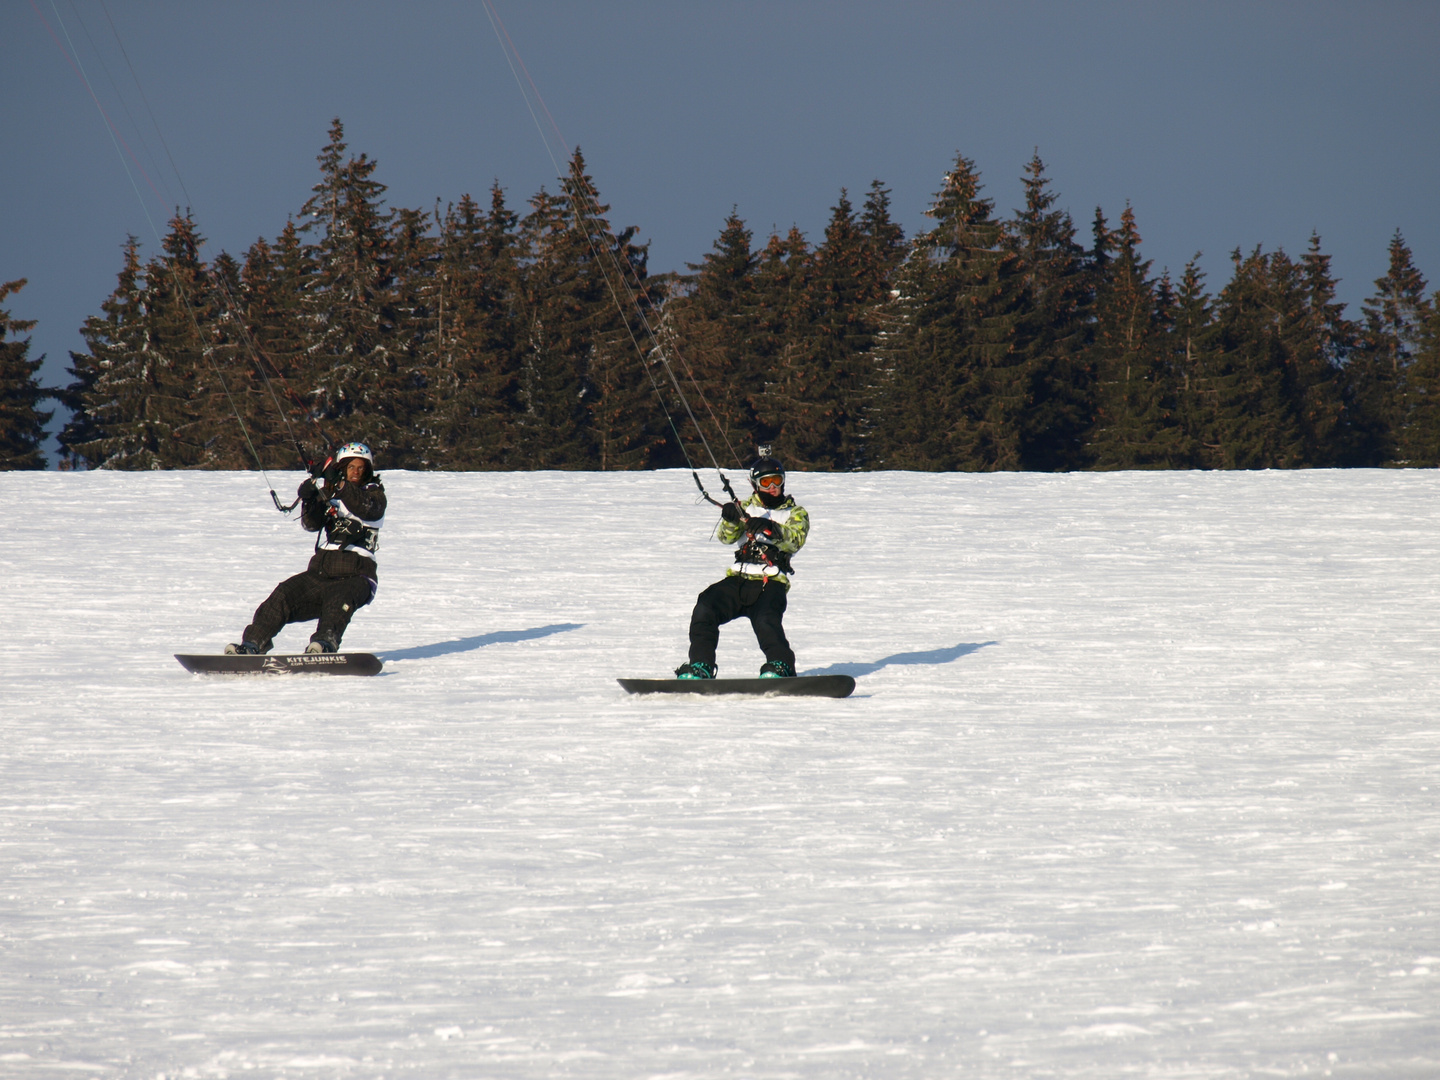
{"points": [[478, 336]]}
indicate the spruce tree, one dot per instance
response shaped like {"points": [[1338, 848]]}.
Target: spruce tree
{"points": [[1379, 372], [1321, 347], [475, 365], [22, 424], [584, 305], [115, 342], [952, 392], [886, 251], [1279, 343], [273, 280], [550, 427], [1052, 329], [884, 237], [710, 325], [1253, 426], [1137, 425], [1420, 436], [188, 418], [81, 429], [415, 306], [780, 342], [817, 399], [229, 390], [352, 370], [136, 383], [627, 430], [1191, 338]]}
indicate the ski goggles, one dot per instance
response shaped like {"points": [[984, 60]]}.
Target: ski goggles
{"points": [[771, 484]]}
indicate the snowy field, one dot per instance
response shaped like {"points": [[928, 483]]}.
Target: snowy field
{"points": [[1140, 780]]}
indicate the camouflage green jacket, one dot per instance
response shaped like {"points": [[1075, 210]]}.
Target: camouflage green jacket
{"points": [[754, 560]]}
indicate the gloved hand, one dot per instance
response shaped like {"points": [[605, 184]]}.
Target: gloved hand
{"points": [[307, 489], [732, 513], [763, 529]]}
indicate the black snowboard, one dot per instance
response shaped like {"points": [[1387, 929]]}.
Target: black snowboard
{"points": [[340, 663], [835, 686]]}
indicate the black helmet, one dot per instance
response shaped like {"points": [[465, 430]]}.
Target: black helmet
{"points": [[764, 475], [766, 466]]}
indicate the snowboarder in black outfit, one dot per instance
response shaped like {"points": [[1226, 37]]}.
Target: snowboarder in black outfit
{"points": [[346, 509], [774, 527]]}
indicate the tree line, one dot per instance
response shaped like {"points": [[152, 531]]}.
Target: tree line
{"points": [[472, 336]]}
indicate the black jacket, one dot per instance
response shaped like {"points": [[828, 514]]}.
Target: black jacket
{"points": [[366, 501]]}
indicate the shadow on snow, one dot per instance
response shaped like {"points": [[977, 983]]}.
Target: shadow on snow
{"points": [[931, 656], [479, 641]]}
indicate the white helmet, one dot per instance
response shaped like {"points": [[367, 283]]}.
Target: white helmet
{"points": [[354, 449]]}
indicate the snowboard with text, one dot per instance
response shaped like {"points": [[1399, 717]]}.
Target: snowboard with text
{"points": [[340, 663]]}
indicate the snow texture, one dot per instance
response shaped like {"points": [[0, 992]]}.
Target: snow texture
{"points": [[1139, 781]]}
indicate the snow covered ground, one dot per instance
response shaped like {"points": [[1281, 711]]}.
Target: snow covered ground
{"points": [[1139, 781]]}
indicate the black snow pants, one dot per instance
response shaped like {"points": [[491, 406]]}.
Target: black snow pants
{"points": [[763, 603], [311, 595]]}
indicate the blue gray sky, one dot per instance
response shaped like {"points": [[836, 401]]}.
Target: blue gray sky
{"points": [[1224, 124]]}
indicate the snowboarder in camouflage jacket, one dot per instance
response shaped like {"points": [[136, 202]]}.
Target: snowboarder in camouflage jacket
{"points": [[771, 527]]}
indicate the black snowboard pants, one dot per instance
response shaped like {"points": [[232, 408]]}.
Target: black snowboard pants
{"points": [[311, 595], [763, 603]]}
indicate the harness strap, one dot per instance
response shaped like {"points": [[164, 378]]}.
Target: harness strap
{"points": [[347, 532], [752, 552]]}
